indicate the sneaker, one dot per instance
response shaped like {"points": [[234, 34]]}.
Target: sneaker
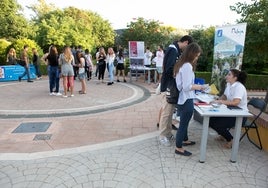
{"points": [[72, 95], [118, 80], [164, 141], [29, 81], [52, 93], [64, 96], [125, 81], [58, 94]]}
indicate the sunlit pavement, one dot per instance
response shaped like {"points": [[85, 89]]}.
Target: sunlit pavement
{"points": [[108, 138]]}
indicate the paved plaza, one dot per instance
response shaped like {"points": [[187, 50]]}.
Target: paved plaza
{"points": [[108, 138]]}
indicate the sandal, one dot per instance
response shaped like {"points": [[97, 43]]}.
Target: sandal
{"points": [[81, 92], [228, 145]]}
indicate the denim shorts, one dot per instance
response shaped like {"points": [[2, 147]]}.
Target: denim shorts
{"points": [[159, 70], [82, 76]]}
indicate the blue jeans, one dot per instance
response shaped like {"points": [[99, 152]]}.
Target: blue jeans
{"points": [[111, 72], [54, 78], [37, 70], [186, 112], [26, 72]]}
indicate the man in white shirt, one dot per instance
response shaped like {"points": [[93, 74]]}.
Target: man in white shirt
{"points": [[147, 57]]}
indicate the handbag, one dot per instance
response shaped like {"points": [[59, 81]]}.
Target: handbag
{"points": [[172, 92]]}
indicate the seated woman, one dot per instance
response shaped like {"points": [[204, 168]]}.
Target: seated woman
{"points": [[235, 94]]}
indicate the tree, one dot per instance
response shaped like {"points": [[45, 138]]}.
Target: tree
{"points": [[12, 23], [205, 38], [71, 26], [255, 58], [149, 31]]}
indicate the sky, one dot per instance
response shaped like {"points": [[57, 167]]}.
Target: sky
{"points": [[177, 13]]}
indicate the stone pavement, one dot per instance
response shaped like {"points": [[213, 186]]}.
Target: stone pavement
{"points": [[108, 138]]}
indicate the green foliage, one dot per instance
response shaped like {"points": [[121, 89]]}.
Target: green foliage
{"points": [[3, 51], [253, 82], [149, 31], [255, 58], [13, 25], [205, 38], [73, 26], [19, 44]]}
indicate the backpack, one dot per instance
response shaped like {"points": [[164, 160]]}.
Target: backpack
{"points": [[172, 92]]}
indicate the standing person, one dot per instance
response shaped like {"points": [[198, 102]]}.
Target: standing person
{"points": [[11, 57], [54, 72], [36, 63], [120, 65], [147, 57], [89, 64], [235, 94], [184, 71], [159, 62], [66, 60], [101, 63], [110, 63], [172, 54], [81, 72], [25, 59], [97, 62]]}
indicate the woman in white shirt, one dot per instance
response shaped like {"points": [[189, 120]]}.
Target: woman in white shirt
{"points": [[110, 65], [235, 94], [184, 71]]}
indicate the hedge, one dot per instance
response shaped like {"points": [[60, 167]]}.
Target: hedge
{"points": [[254, 82]]}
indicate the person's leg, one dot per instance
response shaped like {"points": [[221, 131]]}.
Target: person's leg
{"points": [[222, 125], [71, 81], [23, 74], [165, 123], [65, 81], [27, 70], [103, 68], [57, 79], [51, 79], [111, 73], [97, 70], [186, 112]]}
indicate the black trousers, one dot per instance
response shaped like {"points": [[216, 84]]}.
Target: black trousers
{"points": [[222, 125]]}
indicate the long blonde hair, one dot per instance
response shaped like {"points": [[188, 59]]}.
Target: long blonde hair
{"points": [[67, 54]]}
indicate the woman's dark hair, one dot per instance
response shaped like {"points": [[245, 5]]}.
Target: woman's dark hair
{"points": [[240, 75], [120, 54]]}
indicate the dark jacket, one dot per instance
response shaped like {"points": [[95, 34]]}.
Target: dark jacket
{"points": [[172, 53]]}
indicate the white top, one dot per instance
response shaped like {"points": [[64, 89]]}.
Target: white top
{"points": [[147, 57], [159, 58], [185, 79], [110, 59], [237, 91], [120, 61]]}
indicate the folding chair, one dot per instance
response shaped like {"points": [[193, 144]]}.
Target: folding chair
{"points": [[260, 106]]}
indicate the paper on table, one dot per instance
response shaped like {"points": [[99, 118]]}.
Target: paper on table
{"points": [[205, 98]]}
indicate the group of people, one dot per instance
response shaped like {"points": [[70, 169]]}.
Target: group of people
{"points": [[12, 59], [107, 60], [64, 66], [180, 61]]}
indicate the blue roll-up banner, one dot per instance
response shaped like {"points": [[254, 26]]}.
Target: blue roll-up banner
{"points": [[12, 73], [228, 52]]}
